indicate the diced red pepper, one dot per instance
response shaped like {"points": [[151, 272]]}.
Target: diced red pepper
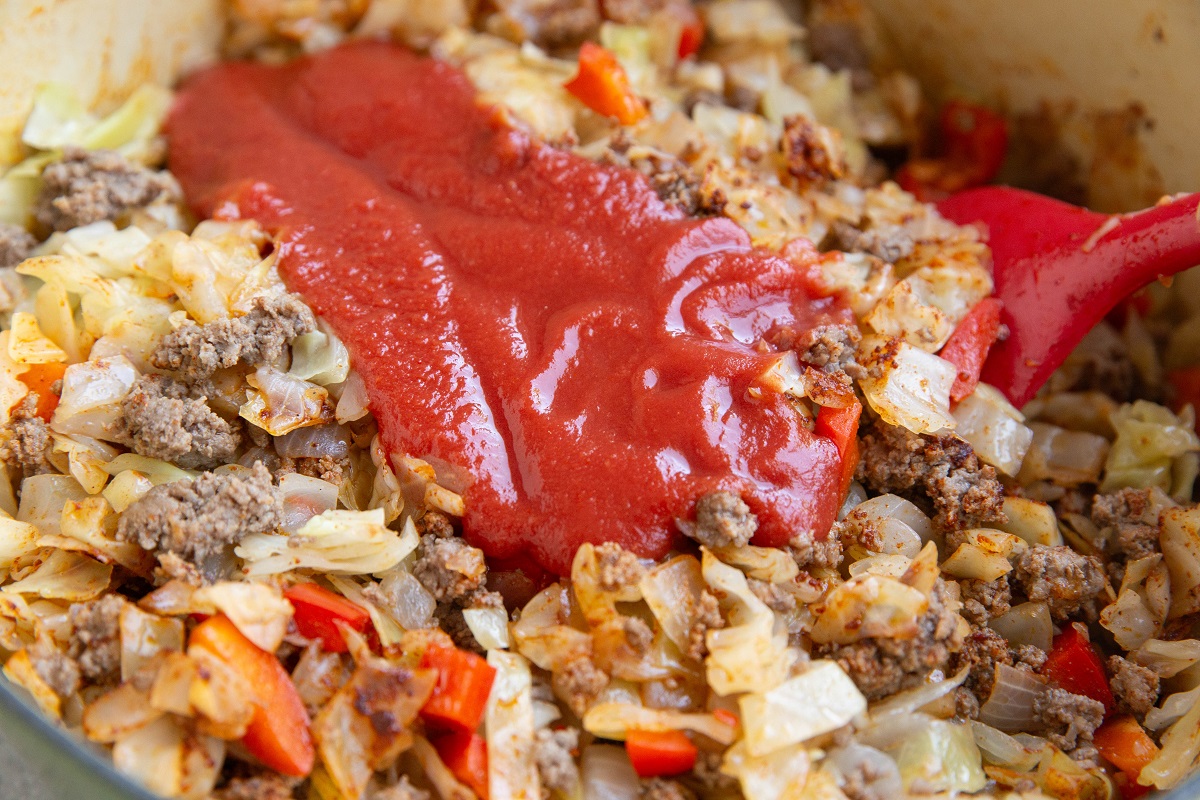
{"points": [[460, 696], [1074, 665], [726, 717], [39, 378], [968, 346], [975, 140], [465, 754], [278, 734], [1128, 788], [604, 87], [1125, 745], [660, 752], [1186, 383], [841, 425], [318, 610], [691, 37]]}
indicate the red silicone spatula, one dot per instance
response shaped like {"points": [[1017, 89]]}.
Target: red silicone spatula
{"points": [[1059, 269]]}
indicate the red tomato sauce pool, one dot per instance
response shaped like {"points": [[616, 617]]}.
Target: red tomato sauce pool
{"points": [[582, 350]]}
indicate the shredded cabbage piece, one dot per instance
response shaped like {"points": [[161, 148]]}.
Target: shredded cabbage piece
{"points": [[820, 699], [512, 770], [339, 542], [751, 653]]}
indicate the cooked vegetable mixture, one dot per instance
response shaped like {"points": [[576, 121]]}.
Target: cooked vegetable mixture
{"points": [[212, 565]]}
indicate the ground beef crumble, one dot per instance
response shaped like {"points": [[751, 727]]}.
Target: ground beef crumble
{"points": [[831, 348], [931, 469], [1069, 719], [578, 683], [163, 419], [265, 786], [259, 337], [58, 670], [889, 243], [24, 451], [983, 600], [1134, 686], [664, 789], [90, 186], [96, 637], [707, 617], [722, 520], [1133, 515], [982, 651], [772, 595], [1060, 577], [552, 750], [198, 519], [448, 567], [617, 567], [881, 666], [16, 244]]}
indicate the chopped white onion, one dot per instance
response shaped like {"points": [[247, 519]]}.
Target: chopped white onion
{"points": [[995, 429], [1010, 705], [607, 774], [316, 441], [1027, 623], [92, 392]]}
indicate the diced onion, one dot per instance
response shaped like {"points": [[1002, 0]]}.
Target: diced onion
{"points": [[994, 428], [1010, 705], [607, 774], [1027, 623]]}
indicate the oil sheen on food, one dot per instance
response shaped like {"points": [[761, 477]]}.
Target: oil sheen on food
{"points": [[582, 351]]}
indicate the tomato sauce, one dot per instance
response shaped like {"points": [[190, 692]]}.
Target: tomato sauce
{"points": [[582, 352]]}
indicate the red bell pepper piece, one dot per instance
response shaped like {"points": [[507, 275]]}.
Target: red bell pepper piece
{"points": [[691, 37], [841, 425], [318, 610], [1128, 788], [39, 378], [1186, 382], [660, 752], [465, 754], [463, 685], [975, 139], [1125, 745], [278, 734], [968, 346], [1074, 665], [604, 87]]}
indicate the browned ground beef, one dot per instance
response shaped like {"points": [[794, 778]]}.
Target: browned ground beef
{"points": [[578, 683], [54, 667], [327, 468], [448, 567], [1069, 719], [89, 186], [982, 651], [1135, 686], [259, 337], [722, 519], [1133, 516], [1059, 576], [617, 567], [553, 750], [707, 617], [265, 786], [881, 666], [664, 789], [983, 600], [15, 244], [773, 595], [932, 469], [163, 419], [198, 519], [889, 242], [96, 637], [24, 451], [831, 348]]}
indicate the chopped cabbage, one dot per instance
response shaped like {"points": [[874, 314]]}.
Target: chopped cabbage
{"points": [[1150, 444], [751, 653], [338, 541], [994, 428], [65, 575], [512, 769], [820, 699], [908, 387], [777, 776], [258, 610]]}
